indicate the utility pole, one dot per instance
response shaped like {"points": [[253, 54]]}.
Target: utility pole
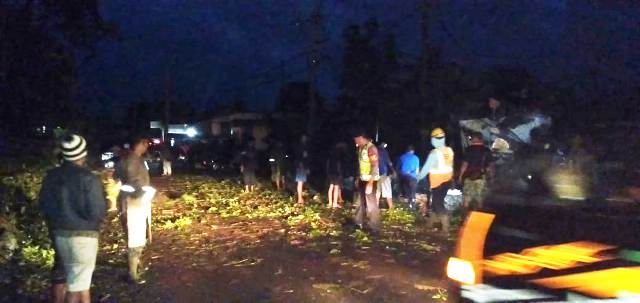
{"points": [[313, 60], [165, 106], [168, 95]]}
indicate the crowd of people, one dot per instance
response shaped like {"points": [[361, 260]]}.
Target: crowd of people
{"points": [[73, 202], [375, 175]]}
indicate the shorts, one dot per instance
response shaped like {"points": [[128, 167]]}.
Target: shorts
{"points": [[249, 178], [58, 276], [57, 272], [301, 175], [78, 255], [438, 195], [384, 187], [335, 180], [475, 190]]}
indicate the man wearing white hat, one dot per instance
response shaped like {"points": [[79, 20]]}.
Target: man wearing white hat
{"points": [[72, 200]]}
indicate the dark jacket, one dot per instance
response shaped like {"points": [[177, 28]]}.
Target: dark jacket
{"points": [[131, 170], [72, 199], [384, 162]]}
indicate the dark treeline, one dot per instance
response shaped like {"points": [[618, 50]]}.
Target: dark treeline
{"points": [[43, 42]]}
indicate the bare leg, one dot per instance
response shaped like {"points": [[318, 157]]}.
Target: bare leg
{"points": [[336, 195], [330, 195], [390, 203], [444, 219], [300, 189], [58, 291], [79, 296]]}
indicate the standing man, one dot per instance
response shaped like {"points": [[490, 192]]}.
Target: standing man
{"points": [[477, 167], [386, 170], [277, 161], [439, 167], [409, 165], [248, 167], [301, 167], [167, 156], [72, 200], [497, 112], [367, 176], [134, 203]]}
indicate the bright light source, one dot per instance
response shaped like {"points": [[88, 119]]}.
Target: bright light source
{"points": [[127, 188], [106, 156], [156, 141], [461, 271], [191, 132], [272, 160], [109, 164], [173, 142]]}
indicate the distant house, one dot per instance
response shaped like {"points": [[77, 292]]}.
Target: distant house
{"points": [[239, 126], [187, 130]]}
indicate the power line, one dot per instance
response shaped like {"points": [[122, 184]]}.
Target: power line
{"points": [[389, 26]]}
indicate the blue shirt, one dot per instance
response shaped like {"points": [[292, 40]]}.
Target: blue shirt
{"points": [[409, 164]]}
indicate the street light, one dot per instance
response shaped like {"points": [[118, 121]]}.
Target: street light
{"points": [[191, 132]]}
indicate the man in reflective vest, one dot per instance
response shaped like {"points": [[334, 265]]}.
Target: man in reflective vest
{"points": [[366, 182], [439, 167]]}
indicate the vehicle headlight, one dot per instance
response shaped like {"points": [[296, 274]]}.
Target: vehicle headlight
{"points": [[461, 270]]}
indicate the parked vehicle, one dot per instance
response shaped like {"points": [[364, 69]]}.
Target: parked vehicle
{"points": [[554, 233]]}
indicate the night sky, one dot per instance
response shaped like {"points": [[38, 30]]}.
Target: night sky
{"points": [[219, 50]]}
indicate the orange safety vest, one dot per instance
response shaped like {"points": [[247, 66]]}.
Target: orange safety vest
{"points": [[443, 171]]}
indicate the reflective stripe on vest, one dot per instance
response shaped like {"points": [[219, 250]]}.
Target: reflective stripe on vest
{"points": [[443, 172], [365, 163]]}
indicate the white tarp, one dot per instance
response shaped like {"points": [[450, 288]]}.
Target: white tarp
{"points": [[516, 130]]}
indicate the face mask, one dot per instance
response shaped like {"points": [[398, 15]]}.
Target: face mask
{"points": [[437, 142]]}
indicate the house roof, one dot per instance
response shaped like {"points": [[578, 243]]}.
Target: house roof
{"points": [[238, 117]]}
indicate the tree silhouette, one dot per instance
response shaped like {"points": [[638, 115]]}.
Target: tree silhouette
{"points": [[40, 45]]}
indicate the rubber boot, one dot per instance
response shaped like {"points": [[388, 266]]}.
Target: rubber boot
{"points": [[134, 264], [445, 224]]}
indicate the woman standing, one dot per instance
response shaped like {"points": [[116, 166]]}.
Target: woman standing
{"points": [[335, 175]]}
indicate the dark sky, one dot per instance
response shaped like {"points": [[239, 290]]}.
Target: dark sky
{"points": [[216, 50]]}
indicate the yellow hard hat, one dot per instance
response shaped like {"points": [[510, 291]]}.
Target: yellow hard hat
{"points": [[437, 133]]}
